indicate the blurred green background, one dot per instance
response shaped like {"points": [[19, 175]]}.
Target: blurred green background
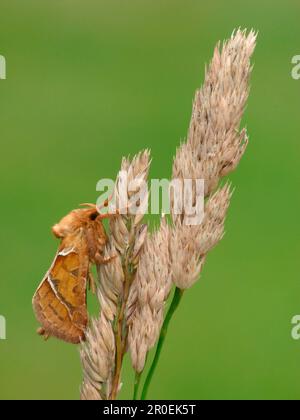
{"points": [[91, 81]]}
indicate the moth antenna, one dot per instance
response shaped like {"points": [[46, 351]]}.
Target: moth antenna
{"points": [[91, 205], [94, 206]]}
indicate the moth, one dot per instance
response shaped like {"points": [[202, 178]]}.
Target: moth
{"points": [[59, 302]]}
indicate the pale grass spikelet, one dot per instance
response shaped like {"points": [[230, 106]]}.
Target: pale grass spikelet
{"points": [[211, 230], [148, 295], [88, 392], [97, 356], [98, 351], [189, 245], [141, 235], [214, 145], [185, 260], [143, 334], [102, 352], [111, 282], [127, 236], [124, 228]]}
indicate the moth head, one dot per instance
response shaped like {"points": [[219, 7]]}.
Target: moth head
{"points": [[89, 214], [66, 226], [75, 220], [93, 216]]}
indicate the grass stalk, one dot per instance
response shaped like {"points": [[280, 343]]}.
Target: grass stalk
{"points": [[174, 305]]}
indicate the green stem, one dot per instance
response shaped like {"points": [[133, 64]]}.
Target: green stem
{"points": [[137, 381], [174, 305]]}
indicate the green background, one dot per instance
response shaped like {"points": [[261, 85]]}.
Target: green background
{"points": [[91, 81]]}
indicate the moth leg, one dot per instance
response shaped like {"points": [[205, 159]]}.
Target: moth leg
{"points": [[107, 260], [42, 332], [104, 260], [109, 215], [92, 283]]}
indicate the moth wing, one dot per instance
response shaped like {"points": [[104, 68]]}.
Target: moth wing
{"points": [[60, 300]]}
